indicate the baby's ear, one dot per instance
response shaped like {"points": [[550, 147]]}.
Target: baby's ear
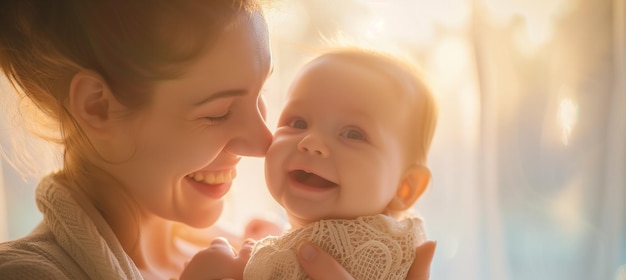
{"points": [[412, 186]]}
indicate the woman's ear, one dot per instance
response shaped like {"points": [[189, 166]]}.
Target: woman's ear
{"points": [[91, 101], [96, 110], [413, 184]]}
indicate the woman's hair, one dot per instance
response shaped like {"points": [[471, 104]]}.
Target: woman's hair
{"points": [[131, 44]]}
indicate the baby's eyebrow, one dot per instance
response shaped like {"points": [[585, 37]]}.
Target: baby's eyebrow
{"points": [[221, 94]]}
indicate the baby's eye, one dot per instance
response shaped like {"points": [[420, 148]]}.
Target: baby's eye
{"points": [[354, 134], [298, 123]]}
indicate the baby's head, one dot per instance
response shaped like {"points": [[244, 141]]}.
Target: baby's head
{"points": [[352, 139]]}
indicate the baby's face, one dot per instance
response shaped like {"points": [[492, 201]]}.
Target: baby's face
{"points": [[340, 147]]}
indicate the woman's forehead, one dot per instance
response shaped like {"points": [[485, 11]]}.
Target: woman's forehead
{"points": [[239, 61]]}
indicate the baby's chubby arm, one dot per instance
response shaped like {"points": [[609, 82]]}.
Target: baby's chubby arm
{"points": [[218, 261]]}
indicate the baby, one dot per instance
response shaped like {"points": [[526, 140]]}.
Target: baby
{"points": [[347, 163]]}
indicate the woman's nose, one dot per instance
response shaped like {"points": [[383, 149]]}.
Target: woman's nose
{"points": [[253, 137], [313, 145], [259, 138]]}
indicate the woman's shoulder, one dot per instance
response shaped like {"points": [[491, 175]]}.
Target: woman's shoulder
{"points": [[23, 262], [36, 256]]}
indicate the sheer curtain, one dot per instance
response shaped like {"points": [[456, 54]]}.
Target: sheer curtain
{"points": [[552, 139], [529, 158]]}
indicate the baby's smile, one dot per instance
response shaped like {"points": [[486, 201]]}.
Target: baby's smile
{"points": [[311, 179]]}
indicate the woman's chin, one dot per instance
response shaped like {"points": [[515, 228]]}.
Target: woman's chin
{"points": [[204, 219]]}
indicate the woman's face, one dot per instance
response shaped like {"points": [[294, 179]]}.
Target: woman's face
{"points": [[190, 139]]}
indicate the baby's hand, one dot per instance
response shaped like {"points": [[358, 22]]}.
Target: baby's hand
{"points": [[218, 261]]}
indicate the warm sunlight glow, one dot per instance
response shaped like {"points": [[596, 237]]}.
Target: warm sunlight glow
{"points": [[389, 22], [451, 59], [535, 32], [534, 19], [376, 27], [470, 112], [415, 22], [524, 177], [567, 118], [290, 19]]}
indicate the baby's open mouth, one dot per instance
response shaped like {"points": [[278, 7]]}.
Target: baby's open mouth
{"points": [[310, 179]]}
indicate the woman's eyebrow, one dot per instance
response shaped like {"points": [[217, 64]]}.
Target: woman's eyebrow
{"points": [[221, 94]]}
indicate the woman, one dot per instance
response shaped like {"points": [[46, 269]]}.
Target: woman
{"points": [[155, 103]]}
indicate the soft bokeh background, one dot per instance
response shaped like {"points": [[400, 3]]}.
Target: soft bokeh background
{"points": [[529, 158]]}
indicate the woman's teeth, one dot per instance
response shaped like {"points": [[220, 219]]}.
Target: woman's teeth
{"points": [[212, 178]]}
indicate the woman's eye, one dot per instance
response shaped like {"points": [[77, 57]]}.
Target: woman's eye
{"points": [[218, 119], [353, 134], [298, 123]]}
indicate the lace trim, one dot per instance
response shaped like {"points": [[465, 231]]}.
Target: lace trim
{"points": [[372, 247]]}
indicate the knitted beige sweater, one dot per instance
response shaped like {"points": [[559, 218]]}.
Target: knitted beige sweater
{"points": [[72, 242], [372, 247]]}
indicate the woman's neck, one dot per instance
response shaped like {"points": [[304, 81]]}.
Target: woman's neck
{"points": [[148, 241], [156, 253], [146, 238]]}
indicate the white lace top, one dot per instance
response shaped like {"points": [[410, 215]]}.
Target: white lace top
{"points": [[372, 247]]}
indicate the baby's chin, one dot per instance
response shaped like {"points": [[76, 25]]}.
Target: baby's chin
{"points": [[299, 221]]}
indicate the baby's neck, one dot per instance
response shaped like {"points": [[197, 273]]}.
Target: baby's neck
{"points": [[298, 223]]}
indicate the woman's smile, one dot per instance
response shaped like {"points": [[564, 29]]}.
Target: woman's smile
{"points": [[212, 184]]}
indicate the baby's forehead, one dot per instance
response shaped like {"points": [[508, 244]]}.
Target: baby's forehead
{"points": [[362, 76], [395, 69], [417, 109], [351, 77]]}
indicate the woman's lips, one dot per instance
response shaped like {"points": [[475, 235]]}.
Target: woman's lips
{"points": [[215, 191], [214, 184]]}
